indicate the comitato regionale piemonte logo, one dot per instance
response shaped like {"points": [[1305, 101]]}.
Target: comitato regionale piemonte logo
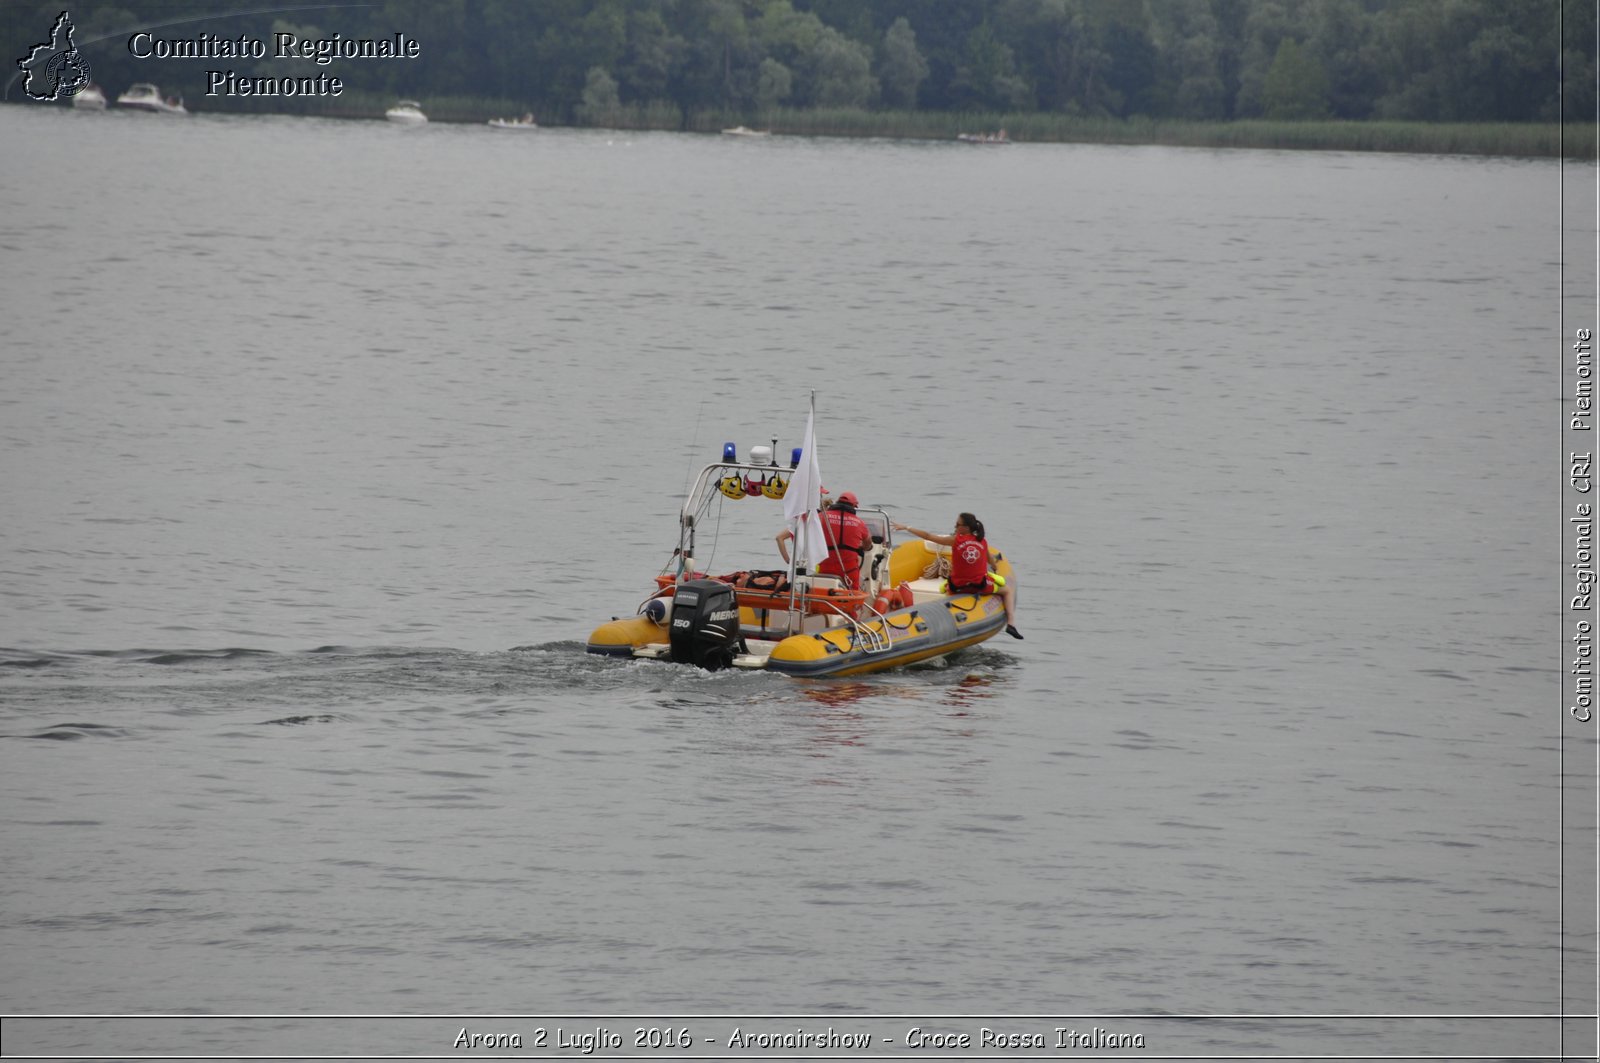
{"points": [[55, 68]]}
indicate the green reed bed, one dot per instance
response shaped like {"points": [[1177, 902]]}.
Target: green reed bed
{"points": [[655, 114]]}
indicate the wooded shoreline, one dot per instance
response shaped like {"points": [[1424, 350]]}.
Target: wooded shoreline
{"points": [[1480, 77]]}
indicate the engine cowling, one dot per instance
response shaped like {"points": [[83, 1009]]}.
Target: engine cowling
{"points": [[704, 626]]}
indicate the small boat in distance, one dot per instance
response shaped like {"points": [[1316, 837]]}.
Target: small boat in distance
{"points": [[742, 131], [525, 122], [144, 96], [90, 98], [984, 138], [406, 112]]}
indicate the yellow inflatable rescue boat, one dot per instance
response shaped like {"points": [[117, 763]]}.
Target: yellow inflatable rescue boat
{"points": [[793, 621]]}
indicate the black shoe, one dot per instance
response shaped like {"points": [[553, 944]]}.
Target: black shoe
{"points": [[1013, 632]]}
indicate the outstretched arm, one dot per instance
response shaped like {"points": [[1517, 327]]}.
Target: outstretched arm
{"points": [[942, 540]]}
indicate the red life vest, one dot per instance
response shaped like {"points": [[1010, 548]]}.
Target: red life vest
{"points": [[848, 538], [969, 565]]}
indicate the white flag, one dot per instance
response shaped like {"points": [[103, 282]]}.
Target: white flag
{"points": [[802, 501]]}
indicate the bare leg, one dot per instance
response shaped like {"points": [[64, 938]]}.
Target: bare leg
{"points": [[1008, 595]]}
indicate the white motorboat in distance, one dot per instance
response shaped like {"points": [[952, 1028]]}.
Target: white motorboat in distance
{"points": [[90, 98], [144, 96], [406, 112], [742, 131], [525, 122]]}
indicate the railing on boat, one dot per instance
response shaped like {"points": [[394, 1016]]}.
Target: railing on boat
{"points": [[818, 599], [803, 594]]}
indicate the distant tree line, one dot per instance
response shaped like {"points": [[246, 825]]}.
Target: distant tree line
{"points": [[1213, 60]]}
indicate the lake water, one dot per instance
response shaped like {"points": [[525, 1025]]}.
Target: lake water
{"points": [[326, 444]]}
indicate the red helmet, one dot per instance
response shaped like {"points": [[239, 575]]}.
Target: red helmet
{"points": [[847, 498]]}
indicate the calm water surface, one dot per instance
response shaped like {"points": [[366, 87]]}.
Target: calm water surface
{"points": [[326, 444]]}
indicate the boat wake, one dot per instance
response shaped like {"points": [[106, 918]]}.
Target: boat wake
{"points": [[143, 693]]}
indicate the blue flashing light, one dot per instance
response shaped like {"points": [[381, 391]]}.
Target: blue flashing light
{"points": [[794, 458], [730, 452]]}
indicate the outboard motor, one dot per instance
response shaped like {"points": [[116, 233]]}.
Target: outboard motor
{"points": [[705, 624]]}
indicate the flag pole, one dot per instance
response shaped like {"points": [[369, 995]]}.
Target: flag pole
{"points": [[810, 485]]}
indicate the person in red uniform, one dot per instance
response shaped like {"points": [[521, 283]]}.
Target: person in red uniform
{"points": [[848, 539], [969, 565]]}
